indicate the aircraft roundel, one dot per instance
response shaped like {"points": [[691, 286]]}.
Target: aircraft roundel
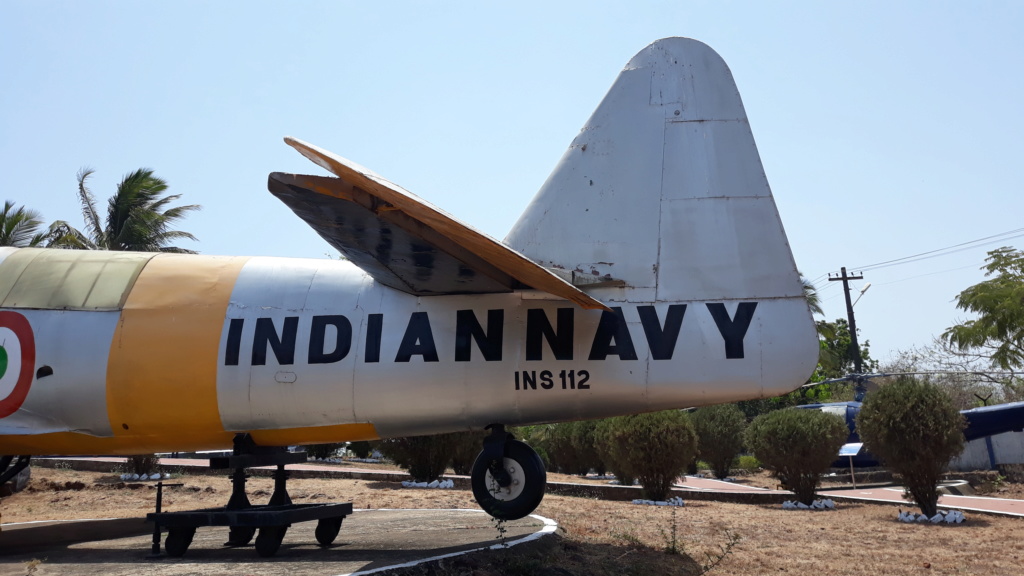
{"points": [[17, 361]]}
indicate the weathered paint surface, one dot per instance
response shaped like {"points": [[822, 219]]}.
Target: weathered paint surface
{"points": [[663, 191]]}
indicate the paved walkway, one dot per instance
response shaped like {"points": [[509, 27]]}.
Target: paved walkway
{"points": [[1002, 506], [894, 495], [711, 485]]}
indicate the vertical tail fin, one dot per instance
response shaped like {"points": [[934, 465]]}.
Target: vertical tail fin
{"points": [[664, 189]]}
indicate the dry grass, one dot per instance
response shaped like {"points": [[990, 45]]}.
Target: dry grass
{"points": [[601, 537]]}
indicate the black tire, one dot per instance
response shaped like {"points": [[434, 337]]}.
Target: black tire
{"points": [[526, 468], [269, 540], [178, 541], [240, 535], [327, 530]]}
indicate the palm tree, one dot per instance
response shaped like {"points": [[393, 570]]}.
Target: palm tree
{"points": [[138, 219], [20, 227], [138, 216], [812, 297], [828, 361]]}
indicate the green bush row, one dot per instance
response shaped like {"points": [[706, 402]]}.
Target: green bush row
{"points": [[911, 425]]}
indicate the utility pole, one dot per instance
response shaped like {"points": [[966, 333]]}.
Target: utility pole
{"points": [[854, 347]]}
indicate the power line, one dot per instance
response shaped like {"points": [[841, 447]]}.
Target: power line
{"points": [[1008, 235], [927, 274], [963, 246]]}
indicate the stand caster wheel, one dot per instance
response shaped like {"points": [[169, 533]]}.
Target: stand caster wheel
{"points": [[240, 535], [327, 530], [269, 540], [178, 541]]}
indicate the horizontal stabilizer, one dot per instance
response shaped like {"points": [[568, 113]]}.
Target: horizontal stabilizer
{"points": [[402, 241]]}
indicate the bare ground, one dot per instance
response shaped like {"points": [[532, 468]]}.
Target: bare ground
{"points": [[603, 537]]}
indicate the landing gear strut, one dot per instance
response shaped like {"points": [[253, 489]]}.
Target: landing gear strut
{"points": [[508, 477]]}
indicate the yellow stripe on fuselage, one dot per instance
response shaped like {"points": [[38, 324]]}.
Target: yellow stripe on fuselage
{"points": [[162, 373], [71, 443], [161, 380], [315, 434]]}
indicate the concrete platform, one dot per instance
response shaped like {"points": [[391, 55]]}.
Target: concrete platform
{"points": [[370, 540]]}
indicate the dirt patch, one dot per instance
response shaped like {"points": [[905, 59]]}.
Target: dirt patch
{"points": [[47, 485]]}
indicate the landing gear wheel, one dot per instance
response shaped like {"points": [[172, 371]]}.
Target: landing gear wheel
{"points": [[327, 530], [269, 540], [240, 535], [519, 498], [178, 541]]}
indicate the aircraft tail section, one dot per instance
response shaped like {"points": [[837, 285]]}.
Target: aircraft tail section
{"points": [[663, 189]]}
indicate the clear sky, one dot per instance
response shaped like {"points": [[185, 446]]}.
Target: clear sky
{"points": [[886, 129]]}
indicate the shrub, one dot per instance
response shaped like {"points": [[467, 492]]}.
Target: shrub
{"points": [[143, 463], [466, 447], [321, 451], [746, 462], [797, 446], [604, 441], [536, 437], [583, 437], [654, 448], [425, 457], [361, 449], [719, 435], [913, 428], [562, 456]]}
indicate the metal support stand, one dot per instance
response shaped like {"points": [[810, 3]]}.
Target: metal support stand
{"points": [[7, 471], [239, 500], [156, 525], [280, 496], [242, 517]]}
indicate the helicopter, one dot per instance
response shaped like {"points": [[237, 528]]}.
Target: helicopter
{"points": [[981, 422]]}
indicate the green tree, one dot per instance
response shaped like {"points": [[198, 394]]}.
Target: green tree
{"points": [[719, 435], [797, 446], [138, 216], [837, 347], [913, 427], [654, 448], [999, 305], [20, 226]]}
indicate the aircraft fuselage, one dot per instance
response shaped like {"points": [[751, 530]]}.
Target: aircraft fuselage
{"points": [[302, 351]]}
